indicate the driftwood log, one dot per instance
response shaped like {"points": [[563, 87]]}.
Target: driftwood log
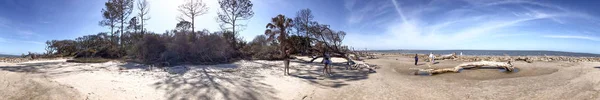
{"points": [[506, 65], [448, 56]]}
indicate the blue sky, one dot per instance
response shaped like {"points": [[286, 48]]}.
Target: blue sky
{"points": [[561, 25]]}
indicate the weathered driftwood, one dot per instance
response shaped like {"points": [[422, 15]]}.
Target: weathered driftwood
{"points": [[359, 65], [506, 65], [448, 56]]}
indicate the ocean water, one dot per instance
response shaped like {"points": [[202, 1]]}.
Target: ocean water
{"points": [[494, 52]]}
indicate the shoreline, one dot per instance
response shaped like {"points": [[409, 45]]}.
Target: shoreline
{"points": [[504, 58], [496, 52]]}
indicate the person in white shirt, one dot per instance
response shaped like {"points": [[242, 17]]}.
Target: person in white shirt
{"points": [[431, 57]]}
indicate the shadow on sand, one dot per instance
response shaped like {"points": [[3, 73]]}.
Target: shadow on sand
{"points": [[47, 68], [203, 83], [339, 78]]}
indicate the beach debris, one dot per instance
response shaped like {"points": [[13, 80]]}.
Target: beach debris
{"points": [[447, 56], [506, 65], [360, 65], [177, 70]]}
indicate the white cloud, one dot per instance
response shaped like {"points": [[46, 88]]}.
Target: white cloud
{"points": [[572, 37], [454, 26]]}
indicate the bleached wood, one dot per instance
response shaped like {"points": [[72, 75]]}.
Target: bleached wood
{"points": [[506, 65], [448, 56]]}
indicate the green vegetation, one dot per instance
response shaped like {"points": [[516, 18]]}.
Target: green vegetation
{"points": [[183, 45]]}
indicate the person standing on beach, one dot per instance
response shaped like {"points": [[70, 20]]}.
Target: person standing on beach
{"points": [[327, 61], [416, 59], [431, 57]]}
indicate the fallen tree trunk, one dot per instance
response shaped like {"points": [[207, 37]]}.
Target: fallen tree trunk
{"points": [[448, 56], [508, 66]]}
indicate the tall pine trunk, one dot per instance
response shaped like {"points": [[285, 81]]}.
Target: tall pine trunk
{"points": [[142, 26]]}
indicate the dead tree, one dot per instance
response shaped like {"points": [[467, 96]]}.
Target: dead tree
{"points": [[329, 41], [448, 56], [506, 65]]}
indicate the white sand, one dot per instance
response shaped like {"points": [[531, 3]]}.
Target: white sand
{"points": [[264, 80], [105, 81]]}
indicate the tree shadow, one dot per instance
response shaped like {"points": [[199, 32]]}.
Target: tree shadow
{"points": [[339, 78], [51, 68], [36, 68], [231, 82]]}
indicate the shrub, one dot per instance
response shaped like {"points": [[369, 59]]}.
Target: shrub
{"points": [[89, 60], [87, 53], [261, 48]]}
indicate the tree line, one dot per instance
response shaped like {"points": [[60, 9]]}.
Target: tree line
{"points": [[128, 38]]}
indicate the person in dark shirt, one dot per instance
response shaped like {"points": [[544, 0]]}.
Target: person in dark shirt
{"points": [[416, 59]]}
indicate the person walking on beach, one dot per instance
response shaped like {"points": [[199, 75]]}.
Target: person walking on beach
{"points": [[431, 57], [416, 59], [327, 61]]}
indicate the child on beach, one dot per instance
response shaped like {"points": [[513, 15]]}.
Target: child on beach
{"points": [[326, 61], [431, 57], [416, 59]]}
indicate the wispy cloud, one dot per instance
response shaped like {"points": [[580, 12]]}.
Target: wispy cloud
{"points": [[26, 32], [572, 37], [34, 42], [399, 10], [5, 40], [362, 11], [2, 40], [4, 22], [453, 23]]}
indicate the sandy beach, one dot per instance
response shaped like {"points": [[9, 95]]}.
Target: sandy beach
{"points": [[264, 80]]}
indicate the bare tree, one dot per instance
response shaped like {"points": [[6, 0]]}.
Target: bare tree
{"points": [[277, 29], [143, 8], [232, 11], [124, 9], [303, 18], [328, 40], [192, 9]]}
